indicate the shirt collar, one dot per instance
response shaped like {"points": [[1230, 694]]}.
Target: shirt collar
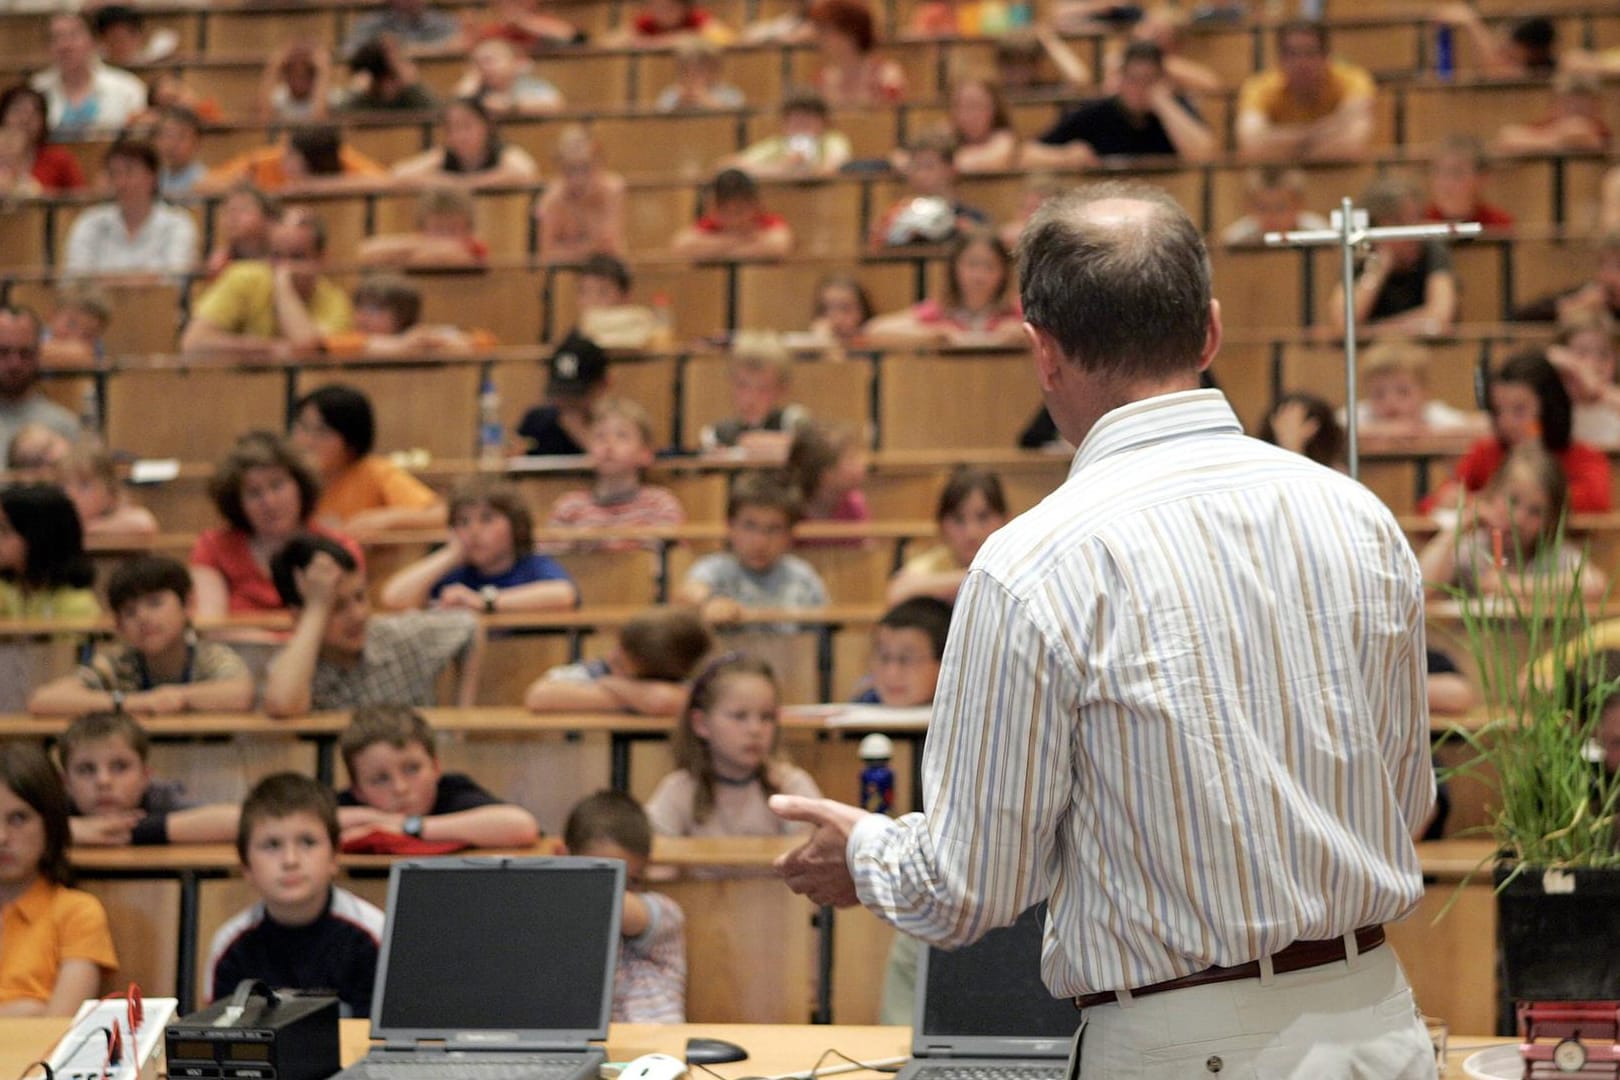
{"points": [[1163, 416], [35, 902]]}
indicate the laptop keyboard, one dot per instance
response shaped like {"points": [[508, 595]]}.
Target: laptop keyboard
{"points": [[493, 1066], [942, 1071]]}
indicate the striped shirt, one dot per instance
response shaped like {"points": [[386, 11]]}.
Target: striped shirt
{"points": [[1184, 699]]}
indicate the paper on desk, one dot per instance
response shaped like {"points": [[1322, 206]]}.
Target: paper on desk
{"points": [[881, 717]]}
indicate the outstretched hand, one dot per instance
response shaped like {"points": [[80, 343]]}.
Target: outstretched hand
{"points": [[817, 868]]}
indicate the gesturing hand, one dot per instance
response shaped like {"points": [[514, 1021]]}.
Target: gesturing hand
{"points": [[817, 868]]}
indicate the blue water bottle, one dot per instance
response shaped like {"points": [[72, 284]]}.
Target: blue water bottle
{"points": [[1444, 61], [877, 779]]}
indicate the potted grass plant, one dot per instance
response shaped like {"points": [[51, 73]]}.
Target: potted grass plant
{"points": [[1552, 804]]}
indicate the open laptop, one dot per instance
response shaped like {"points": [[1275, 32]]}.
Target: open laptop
{"points": [[984, 1014], [495, 967]]}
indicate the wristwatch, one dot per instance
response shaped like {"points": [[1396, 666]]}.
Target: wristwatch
{"points": [[412, 826], [489, 593]]}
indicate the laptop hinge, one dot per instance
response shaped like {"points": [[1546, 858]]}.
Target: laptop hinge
{"points": [[936, 1052]]}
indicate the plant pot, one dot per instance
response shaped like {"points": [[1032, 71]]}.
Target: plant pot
{"points": [[1559, 934]]}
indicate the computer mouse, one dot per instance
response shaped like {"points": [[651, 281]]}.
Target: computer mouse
{"points": [[713, 1052], [654, 1067]]}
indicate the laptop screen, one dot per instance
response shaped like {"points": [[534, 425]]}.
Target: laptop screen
{"points": [[520, 947], [992, 990]]}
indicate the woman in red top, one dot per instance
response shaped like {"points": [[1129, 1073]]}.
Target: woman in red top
{"points": [[1528, 402], [56, 169], [266, 494]]}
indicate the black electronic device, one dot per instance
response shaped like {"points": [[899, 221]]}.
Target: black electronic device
{"points": [[256, 1034], [701, 1051]]}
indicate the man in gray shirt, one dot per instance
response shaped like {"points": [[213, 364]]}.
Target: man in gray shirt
{"points": [[21, 402]]}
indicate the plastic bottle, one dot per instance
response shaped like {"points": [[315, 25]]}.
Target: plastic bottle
{"points": [[1444, 58], [491, 436], [90, 409], [663, 322]]}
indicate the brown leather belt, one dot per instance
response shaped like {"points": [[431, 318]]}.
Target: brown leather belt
{"points": [[1297, 957]]}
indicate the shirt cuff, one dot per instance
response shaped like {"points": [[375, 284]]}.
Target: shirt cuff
{"points": [[868, 831]]}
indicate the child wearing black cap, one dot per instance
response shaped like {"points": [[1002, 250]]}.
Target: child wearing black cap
{"points": [[576, 379]]}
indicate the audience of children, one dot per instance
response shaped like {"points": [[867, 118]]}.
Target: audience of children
{"points": [[908, 644], [304, 933], [582, 213], [159, 664], [978, 308], [620, 445], [698, 85], [242, 226], [387, 308], [649, 981], [806, 146], [335, 428], [340, 656], [266, 494], [55, 945], [1512, 542], [444, 238], [1458, 173], [1529, 404], [763, 420], [502, 81], [972, 505], [489, 563], [929, 212], [755, 570], [981, 125], [1274, 201], [1584, 354], [1404, 286], [645, 673], [726, 757], [827, 464], [841, 312], [605, 313], [297, 84], [473, 152], [44, 571], [735, 223], [576, 379], [383, 77], [114, 798], [176, 137], [397, 787], [852, 74], [1394, 375]]}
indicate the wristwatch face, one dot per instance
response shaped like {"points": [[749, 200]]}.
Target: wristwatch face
{"points": [[1569, 1055]]}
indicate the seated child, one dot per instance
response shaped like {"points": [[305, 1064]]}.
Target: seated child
{"points": [[160, 665], [827, 464], [726, 757], [114, 798], [444, 236], [1274, 201], [1304, 424], [44, 572], [304, 933], [1573, 121], [735, 224], [606, 315], [176, 138], [842, 311], [1584, 355], [907, 646], [666, 22], [646, 674], [698, 84], [621, 447], [756, 570], [1511, 544], [971, 507], [582, 213], [1457, 175], [929, 212], [386, 310], [763, 420], [36, 453], [489, 564], [78, 324], [805, 147], [105, 509], [1395, 378], [340, 656], [57, 949], [576, 379], [397, 786], [649, 981]]}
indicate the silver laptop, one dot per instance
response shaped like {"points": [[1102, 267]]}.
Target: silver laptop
{"points": [[984, 1014], [495, 968]]}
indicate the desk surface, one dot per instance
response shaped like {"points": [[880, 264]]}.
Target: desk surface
{"points": [[774, 1049]]}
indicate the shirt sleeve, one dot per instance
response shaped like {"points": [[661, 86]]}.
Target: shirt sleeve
{"points": [[400, 488], [180, 253], [217, 661], [996, 776], [669, 810], [84, 931], [224, 303], [1590, 491], [458, 792]]}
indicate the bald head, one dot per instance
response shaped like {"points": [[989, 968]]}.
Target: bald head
{"points": [[1118, 276]]}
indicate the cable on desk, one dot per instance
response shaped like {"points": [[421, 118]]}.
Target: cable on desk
{"points": [[815, 1069]]}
